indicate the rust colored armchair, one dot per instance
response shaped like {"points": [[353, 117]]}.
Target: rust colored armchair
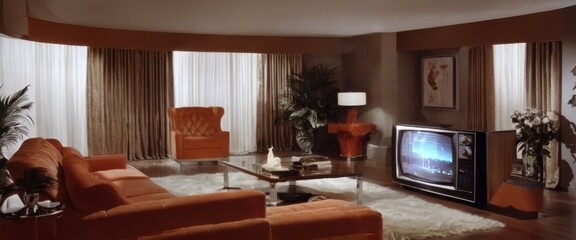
{"points": [[196, 133]]}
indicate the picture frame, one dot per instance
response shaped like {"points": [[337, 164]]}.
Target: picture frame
{"points": [[439, 83]]}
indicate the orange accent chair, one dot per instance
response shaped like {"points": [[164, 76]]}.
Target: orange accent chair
{"points": [[196, 133]]}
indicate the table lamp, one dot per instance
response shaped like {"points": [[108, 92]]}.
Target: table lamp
{"points": [[351, 100]]}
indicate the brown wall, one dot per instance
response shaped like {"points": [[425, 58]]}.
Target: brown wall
{"points": [[456, 118], [394, 95], [455, 40], [369, 65], [545, 26], [49, 32], [568, 135], [559, 25]]}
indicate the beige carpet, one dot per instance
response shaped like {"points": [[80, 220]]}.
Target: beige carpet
{"points": [[405, 216]]}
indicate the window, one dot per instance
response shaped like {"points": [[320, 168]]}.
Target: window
{"points": [[57, 78], [229, 80], [509, 82]]}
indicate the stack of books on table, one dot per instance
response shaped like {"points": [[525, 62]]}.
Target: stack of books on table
{"points": [[312, 162]]}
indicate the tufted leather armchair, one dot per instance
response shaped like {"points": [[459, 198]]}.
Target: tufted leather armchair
{"points": [[196, 133]]}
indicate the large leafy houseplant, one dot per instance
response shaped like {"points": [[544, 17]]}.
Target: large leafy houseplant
{"points": [[14, 122], [311, 102]]}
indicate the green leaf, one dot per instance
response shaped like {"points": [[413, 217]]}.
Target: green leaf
{"points": [[312, 97], [14, 118], [572, 101]]}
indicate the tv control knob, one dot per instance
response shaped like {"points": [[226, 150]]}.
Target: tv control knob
{"points": [[466, 152]]}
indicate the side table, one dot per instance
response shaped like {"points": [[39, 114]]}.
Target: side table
{"points": [[351, 137], [34, 226], [518, 198]]}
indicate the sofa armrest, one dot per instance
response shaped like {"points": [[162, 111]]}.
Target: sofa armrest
{"points": [[253, 229], [107, 162], [150, 217]]}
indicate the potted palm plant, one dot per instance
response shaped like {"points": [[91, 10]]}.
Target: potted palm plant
{"points": [[14, 122], [311, 102]]}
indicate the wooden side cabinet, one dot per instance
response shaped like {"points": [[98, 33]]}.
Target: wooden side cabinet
{"points": [[351, 137]]}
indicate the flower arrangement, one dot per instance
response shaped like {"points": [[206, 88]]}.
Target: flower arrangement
{"points": [[535, 130]]}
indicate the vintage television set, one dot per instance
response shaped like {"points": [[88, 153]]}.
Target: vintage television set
{"points": [[442, 161]]}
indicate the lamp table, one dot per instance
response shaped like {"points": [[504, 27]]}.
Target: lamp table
{"points": [[351, 137]]}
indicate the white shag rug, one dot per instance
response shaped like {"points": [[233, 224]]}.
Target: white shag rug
{"points": [[405, 216]]}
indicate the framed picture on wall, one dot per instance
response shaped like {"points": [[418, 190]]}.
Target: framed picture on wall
{"points": [[439, 88]]}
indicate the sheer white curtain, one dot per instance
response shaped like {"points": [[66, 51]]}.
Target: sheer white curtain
{"points": [[229, 80], [509, 81], [57, 78]]}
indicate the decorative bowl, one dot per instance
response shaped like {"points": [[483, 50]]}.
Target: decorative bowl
{"points": [[48, 204]]}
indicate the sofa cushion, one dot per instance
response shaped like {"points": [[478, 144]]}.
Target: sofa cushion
{"points": [[88, 193], [39, 153], [151, 197], [138, 187], [327, 219], [318, 206], [118, 174], [202, 142]]}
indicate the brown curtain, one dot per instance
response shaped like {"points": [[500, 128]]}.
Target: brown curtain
{"points": [[129, 94], [481, 113], [543, 61], [271, 131]]}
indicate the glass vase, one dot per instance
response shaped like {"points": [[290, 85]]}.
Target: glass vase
{"points": [[530, 167], [30, 200]]}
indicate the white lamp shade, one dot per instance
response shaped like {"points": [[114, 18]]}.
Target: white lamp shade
{"points": [[351, 98]]}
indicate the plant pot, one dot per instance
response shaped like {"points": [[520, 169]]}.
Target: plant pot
{"points": [[305, 140]]}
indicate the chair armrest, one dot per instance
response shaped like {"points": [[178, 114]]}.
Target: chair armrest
{"points": [[225, 134], [175, 143], [253, 229], [226, 142], [150, 217], [107, 162]]}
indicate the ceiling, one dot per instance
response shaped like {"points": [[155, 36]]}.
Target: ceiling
{"points": [[338, 18]]}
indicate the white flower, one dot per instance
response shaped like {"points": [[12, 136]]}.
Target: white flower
{"points": [[545, 120], [536, 121], [553, 117], [526, 122]]}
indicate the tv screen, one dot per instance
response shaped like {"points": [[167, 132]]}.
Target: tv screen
{"points": [[427, 156], [442, 161]]}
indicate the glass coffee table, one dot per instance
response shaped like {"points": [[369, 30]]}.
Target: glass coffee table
{"points": [[252, 165]]}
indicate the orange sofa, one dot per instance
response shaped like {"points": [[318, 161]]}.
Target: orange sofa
{"points": [[107, 199], [196, 133]]}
